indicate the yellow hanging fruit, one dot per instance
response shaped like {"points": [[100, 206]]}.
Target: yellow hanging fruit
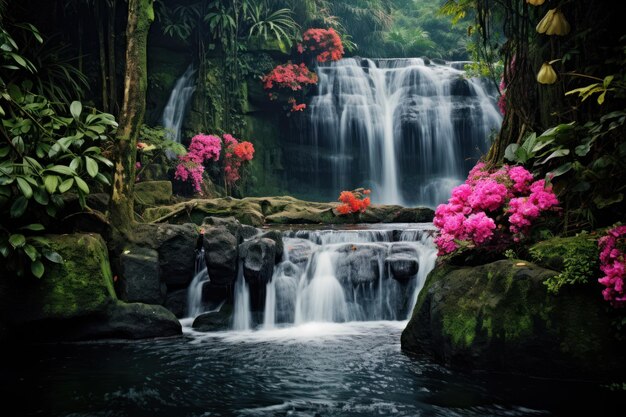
{"points": [[535, 2], [546, 74], [554, 23]]}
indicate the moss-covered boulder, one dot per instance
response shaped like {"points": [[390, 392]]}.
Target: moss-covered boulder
{"points": [[257, 211], [500, 316], [75, 299], [152, 193]]}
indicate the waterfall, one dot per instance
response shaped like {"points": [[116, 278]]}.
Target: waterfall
{"points": [[242, 317], [194, 292], [176, 107], [408, 130], [347, 275]]}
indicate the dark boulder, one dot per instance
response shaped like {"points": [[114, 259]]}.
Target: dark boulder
{"points": [[248, 231], [402, 267], [140, 279], [215, 294], [215, 320], [359, 263], [258, 258], [220, 254], [176, 302], [277, 237]]}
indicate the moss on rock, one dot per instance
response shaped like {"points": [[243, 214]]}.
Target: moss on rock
{"points": [[500, 316]]}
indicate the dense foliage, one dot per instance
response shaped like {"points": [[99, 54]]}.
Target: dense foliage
{"points": [[48, 151], [613, 265]]}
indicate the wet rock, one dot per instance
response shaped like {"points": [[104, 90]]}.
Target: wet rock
{"points": [[220, 254], [214, 321], [258, 259], [402, 267], [248, 232], [300, 251], [277, 237], [140, 279], [215, 294], [176, 302], [359, 263]]}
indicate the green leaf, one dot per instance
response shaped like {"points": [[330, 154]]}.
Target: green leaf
{"points": [[75, 164], [66, 185], [103, 160], [17, 240], [52, 256], [31, 252], [41, 196], [35, 227], [76, 109], [19, 207], [4, 151], [82, 185], [582, 150], [581, 187], [102, 179], [555, 154], [92, 167], [51, 182], [37, 268], [562, 169], [509, 152], [25, 187], [62, 169]]}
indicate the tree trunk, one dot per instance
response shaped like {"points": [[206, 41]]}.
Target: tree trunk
{"points": [[140, 16]]}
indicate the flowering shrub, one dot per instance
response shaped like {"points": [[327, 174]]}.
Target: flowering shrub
{"points": [[613, 265], [289, 76], [325, 44], [235, 154], [504, 202], [354, 201], [203, 148]]}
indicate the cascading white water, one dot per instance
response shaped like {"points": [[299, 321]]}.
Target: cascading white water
{"points": [[242, 317], [176, 107], [194, 292], [346, 275], [403, 128]]}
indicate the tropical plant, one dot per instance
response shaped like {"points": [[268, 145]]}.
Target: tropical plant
{"points": [[44, 153]]}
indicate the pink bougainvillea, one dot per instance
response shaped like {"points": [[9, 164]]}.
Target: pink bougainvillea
{"points": [[203, 148], [504, 202], [289, 76], [613, 265]]}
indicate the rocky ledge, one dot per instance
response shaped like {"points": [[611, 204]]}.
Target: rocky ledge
{"points": [[257, 211]]}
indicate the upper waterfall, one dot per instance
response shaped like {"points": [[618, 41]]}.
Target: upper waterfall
{"points": [[407, 129], [176, 107]]}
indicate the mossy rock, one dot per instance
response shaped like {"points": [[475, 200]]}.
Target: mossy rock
{"points": [[153, 193], [500, 316], [553, 253], [257, 211], [75, 300], [79, 286]]}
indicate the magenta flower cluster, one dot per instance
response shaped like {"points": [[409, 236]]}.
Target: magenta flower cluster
{"points": [[506, 201], [612, 264], [203, 148]]}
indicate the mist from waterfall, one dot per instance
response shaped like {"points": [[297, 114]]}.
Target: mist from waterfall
{"points": [[177, 104]]}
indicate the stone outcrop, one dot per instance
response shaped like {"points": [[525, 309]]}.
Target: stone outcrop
{"points": [[499, 316], [75, 300]]}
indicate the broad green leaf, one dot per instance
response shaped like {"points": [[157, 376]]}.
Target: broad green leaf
{"points": [[605, 201], [555, 154], [19, 206], [31, 252], [82, 185], [51, 182], [37, 268], [581, 187], [17, 240], [35, 227], [75, 164], [92, 167], [562, 169], [509, 152], [52, 256], [62, 169], [66, 185], [41, 196], [76, 109], [104, 160], [24, 187]]}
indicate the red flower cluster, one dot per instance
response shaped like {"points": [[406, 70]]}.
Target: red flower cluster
{"points": [[295, 106], [235, 154], [290, 76], [353, 201], [325, 43]]}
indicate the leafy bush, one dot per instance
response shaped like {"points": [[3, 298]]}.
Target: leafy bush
{"points": [[46, 150]]}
